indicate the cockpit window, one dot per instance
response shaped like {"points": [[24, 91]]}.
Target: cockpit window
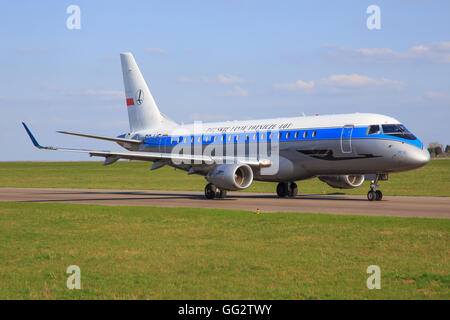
{"points": [[398, 130], [375, 129]]}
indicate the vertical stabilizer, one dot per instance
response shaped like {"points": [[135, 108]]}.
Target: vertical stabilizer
{"points": [[143, 113]]}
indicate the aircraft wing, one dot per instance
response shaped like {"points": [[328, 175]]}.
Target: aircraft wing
{"points": [[113, 156], [134, 141]]}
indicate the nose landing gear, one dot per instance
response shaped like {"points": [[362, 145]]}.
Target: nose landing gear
{"points": [[374, 194], [285, 189]]}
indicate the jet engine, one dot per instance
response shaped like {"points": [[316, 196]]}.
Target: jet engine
{"points": [[231, 176], [344, 181]]}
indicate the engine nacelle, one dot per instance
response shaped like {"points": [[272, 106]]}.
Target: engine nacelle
{"points": [[231, 176], [344, 181]]}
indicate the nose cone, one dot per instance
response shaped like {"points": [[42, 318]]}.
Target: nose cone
{"points": [[418, 158]]}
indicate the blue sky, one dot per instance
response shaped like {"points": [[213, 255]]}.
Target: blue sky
{"points": [[218, 60]]}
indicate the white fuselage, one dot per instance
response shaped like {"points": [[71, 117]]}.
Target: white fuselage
{"points": [[308, 146]]}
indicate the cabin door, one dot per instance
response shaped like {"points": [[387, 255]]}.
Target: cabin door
{"points": [[346, 139]]}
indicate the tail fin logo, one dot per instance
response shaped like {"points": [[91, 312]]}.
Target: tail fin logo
{"points": [[139, 96]]}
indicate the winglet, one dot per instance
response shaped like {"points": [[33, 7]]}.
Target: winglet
{"points": [[33, 139]]}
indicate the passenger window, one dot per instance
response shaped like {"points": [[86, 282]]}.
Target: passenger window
{"points": [[192, 140], [375, 129], [314, 134], [262, 136], [287, 135], [296, 135], [305, 134]]}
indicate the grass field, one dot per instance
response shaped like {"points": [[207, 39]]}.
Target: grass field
{"points": [[168, 253], [431, 180]]}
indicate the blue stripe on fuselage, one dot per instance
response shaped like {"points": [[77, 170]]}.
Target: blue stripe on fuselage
{"points": [[286, 135]]}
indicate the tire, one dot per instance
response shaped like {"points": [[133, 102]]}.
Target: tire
{"points": [[293, 190], [371, 195], [379, 195], [282, 189], [221, 193], [210, 191]]}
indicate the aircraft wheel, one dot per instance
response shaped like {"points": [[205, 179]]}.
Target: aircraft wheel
{"points": [[293, 190], [379, 195], [210, 191], [282, 189], [371, 195], [221, 193]]}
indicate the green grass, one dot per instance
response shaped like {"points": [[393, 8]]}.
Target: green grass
{"points": [[431, 180], [178, 253]]}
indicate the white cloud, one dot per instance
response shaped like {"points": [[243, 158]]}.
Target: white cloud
{"points": [[438, 52], [428, 99], [235, 92], [337, 83], [155, 51], [356, 80], [437, 96], [229, 79], [299, 84]]}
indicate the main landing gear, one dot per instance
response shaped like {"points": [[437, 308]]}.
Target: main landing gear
{"points": [[211, 192], [374, 194], [285, 189]]}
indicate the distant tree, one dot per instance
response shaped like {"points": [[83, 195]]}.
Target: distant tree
{"points": [[434, 144], [447, 149], [435, 149]]}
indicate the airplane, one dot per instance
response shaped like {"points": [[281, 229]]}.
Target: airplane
{"points": [[342, 150]]}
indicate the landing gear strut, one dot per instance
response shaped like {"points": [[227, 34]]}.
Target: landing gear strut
{"points": [[285, 189], [211, 192], [374, 194]]}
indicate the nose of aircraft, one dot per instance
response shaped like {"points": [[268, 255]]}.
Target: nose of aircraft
{"points": [[419, 157], [410, 158]]}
